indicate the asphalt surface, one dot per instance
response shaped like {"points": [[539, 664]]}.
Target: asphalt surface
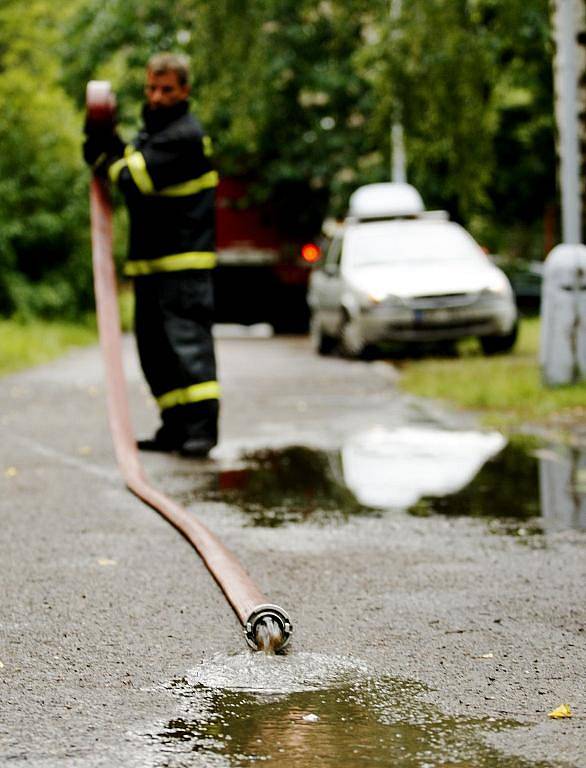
{"points": [[104, 604]]}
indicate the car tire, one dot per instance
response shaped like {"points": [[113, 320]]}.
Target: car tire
{"points": [[352, 343], [320, 341], [498, 345]]}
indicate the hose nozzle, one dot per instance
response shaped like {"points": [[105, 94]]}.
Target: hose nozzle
{"points": [[100, 103], [268, 628]]}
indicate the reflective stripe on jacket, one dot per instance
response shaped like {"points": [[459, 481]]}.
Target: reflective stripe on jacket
{"points": [[175, 262]]}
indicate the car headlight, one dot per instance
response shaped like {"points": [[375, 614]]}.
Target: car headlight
{"points": [[384, 297], [359, 297], [375, 297], [369, 296], [498, 285]]}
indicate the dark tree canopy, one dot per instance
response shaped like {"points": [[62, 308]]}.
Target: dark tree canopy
{"points": [[298, 95]]}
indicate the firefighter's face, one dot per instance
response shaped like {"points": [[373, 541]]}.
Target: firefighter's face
{"points": [[164, 90]]}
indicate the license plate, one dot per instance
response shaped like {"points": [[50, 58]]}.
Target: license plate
{"points": [[433, 316]]}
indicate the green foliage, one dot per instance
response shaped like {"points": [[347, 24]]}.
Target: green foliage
{"points": [[274, 84], [298, 95], [473, 88], [32, 343], [441, 57], [43, 258]]}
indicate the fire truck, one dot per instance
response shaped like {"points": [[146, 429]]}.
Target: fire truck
{"points": [[262, 274]]}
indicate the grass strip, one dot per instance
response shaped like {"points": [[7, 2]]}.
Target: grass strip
{"points": [[506, 389], [25, 344]]}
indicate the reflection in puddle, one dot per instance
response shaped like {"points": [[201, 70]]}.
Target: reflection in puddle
{"points": [[355, 721], [562, 476], [507, 486], [396, 468], [539, 488], [423, 470], [290, 485]]}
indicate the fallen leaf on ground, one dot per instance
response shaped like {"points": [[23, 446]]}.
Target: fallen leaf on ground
{"points": [[11, 472], [85, 450], [106, 561], [562, 711]]}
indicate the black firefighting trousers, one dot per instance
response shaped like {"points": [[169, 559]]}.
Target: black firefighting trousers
{"points": [[173, 327]]}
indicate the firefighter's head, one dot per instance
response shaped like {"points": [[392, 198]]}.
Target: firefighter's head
{"points": [[167, 80]]}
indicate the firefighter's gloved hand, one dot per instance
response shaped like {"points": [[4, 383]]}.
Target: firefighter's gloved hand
{"points": [[102, 143], [100, 121]]}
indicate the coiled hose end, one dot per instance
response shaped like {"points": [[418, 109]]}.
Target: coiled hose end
{"points": [[268, 628]]}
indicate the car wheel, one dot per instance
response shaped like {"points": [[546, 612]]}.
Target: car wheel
{"points": [[496, 345], [352, 342], [320, 341]]}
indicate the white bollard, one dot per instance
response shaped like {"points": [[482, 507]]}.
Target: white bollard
{"points": [[563, 316]]}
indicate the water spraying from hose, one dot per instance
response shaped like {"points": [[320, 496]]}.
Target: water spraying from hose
{"points": [[268, 628], [268, 636]]}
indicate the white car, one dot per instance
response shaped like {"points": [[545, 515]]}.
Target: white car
{"points": [[405, 275]]}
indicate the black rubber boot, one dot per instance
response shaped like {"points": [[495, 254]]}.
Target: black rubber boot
{"points": [[196, 448], [163, 441]]}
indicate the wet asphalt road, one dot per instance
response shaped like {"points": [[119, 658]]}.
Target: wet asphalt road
{"points": [[104, 604]]}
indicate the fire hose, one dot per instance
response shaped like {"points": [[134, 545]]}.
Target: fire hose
{"points": [[266, 626]]}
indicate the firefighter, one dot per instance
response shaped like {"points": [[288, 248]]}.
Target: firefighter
{"points": [[168, 182]]}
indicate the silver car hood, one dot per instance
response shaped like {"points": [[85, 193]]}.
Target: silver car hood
{"points": [[425, 278]]}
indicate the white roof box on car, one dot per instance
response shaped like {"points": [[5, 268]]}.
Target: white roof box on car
{"points": [[374, 201]]}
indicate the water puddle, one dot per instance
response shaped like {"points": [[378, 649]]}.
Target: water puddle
{"points": [[307, 710], [523, 486], [288, 485], [524, 490]]}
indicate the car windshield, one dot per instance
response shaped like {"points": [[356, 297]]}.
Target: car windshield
{"points": [[385, 242]]}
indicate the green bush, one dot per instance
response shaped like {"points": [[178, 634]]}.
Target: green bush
{"points": [[44, 263]]}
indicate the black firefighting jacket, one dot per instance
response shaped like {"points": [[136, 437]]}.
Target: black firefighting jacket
{"points": [[168, 182]]}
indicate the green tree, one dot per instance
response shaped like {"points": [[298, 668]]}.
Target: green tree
{"points": [[43, 263], [472, 82], [274, 84], [299, 95]]}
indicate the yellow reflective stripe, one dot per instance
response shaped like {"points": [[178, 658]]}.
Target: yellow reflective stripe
{"points": [[140, 175], [207, 390], [173, 263], [191, 187], [115, 169], [138, 170]]}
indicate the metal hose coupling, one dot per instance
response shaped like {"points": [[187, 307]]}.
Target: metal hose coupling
{"points": [[268, 628]]}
